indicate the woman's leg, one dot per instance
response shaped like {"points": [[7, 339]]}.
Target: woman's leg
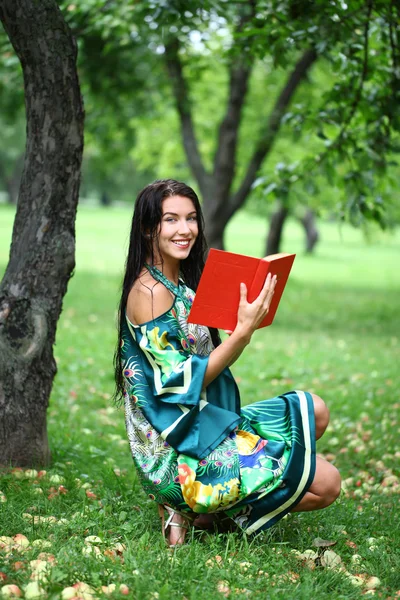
{"points": [[321, 413], [326, 485], [324, 489]]}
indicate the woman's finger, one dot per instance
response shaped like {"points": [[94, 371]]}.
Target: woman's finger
{"points": [[273, 284], [264, 291], [243, 292], [267, 282], [271, 291]]}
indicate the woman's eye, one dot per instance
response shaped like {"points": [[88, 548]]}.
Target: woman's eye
{"points": [[192, 219]]}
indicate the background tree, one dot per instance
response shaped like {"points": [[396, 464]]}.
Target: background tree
{"points": [[12, 155], [355, 120], [356, 41], [322, 133], [43, 242], [355, 127], [326, 120]]}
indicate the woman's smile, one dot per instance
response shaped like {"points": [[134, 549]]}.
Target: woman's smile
{"points": [[181, 243]]}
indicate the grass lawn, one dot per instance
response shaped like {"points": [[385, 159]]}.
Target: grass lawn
{"points": [[337, 333]]}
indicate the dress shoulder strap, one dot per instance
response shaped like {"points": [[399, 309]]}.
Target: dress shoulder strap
{"points": [[174, 289]]}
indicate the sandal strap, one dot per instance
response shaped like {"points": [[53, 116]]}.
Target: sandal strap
{"points": [[167, 524], [187, 516], [181, 525], [170, 523]]}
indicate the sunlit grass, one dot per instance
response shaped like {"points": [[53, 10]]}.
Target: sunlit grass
{"points": [[336, 333]]}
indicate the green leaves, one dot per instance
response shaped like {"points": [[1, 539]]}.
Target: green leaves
{"points": [[339, 134]]}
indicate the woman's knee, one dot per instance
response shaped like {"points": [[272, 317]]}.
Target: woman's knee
{"points": [[321, 413], [327, 483], [334, 485], [331, 487]]}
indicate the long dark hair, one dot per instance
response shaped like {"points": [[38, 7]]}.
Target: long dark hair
{"points": [[146, 220]]}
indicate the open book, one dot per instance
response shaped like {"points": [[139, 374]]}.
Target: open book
{"points": [[218, 293]]}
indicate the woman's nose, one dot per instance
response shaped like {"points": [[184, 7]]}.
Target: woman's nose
{"points": [[184, 227]]}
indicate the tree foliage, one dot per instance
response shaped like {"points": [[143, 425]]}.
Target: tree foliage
{"points": [[357, 120], [348, 132], [155, 71]]}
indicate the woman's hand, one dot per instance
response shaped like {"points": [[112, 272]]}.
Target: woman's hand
{"points": [[250, 315]]}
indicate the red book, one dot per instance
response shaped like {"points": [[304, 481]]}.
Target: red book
{"points": [[218, 293]]}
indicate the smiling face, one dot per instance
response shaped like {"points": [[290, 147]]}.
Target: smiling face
{"points": [[178, 229]]}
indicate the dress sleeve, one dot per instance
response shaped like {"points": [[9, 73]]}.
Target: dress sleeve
{"points": [[165, 378]]}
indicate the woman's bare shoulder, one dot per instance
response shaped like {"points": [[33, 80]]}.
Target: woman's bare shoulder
{"points": [[147, 300]]}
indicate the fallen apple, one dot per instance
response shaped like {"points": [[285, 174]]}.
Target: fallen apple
{"points": [[11, 591]]}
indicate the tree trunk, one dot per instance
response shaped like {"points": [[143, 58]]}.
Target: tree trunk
{"points": [[214, 229], [219, 204], [312, 235], [277, 222], [105, 199], [216, 216], [42, 254]]}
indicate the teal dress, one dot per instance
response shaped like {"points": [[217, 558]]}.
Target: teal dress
{"points": [[196, 449]]}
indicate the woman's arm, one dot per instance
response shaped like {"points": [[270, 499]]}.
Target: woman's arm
{"points": [[249, 317], [147, 301]]}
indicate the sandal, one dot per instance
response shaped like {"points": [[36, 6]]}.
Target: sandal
{"points": [[167, 525]]}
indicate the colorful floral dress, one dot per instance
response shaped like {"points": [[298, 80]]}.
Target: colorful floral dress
{"points": [[196, 449]]}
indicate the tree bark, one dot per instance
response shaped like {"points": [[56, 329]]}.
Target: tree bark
{"points": [[42, 254], [215, 187], [276, 224], [312, 235], [183, 106], [215, 228]]}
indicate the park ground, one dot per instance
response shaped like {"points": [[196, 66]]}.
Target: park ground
{"points": [[85, 518]]}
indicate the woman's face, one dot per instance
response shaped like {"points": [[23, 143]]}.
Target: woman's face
{"points": [[178, 228]]}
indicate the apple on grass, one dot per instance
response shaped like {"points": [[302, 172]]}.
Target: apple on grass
{"points": [[11, 591]]}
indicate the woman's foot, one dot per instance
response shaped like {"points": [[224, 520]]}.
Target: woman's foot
{"points": [[204, 521], [176, 529]]}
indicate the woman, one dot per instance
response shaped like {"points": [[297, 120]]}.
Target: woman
{"points": [[196, 451]]}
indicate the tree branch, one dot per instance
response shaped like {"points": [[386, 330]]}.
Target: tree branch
{"points": [[225, 157], [182, 101], [320, 158], [239, 73], [267, 140]]}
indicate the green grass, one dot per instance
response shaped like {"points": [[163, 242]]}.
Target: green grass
{"points": [[337, 334]]}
